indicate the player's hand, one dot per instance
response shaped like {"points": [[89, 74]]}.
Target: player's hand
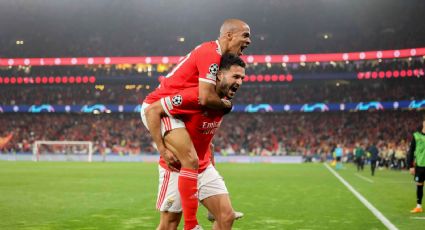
{"points": [[170, 159], [412, 171], [227, 103]]}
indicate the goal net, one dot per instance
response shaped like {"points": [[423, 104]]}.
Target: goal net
{"points": [[62, 151]]}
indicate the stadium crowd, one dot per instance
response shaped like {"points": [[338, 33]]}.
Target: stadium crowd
{"points": [[313, 135]]}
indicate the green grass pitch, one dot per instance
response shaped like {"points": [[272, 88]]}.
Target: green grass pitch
{"points": [[70, 195]]}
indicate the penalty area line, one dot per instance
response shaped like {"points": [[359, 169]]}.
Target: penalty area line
{"points": [[366, 203]]}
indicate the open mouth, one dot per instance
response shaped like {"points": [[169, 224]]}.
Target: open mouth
{"points": [[233, 89], [242, 48]]}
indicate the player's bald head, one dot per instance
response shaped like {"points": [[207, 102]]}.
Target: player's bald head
{"points": [[231, 25]]}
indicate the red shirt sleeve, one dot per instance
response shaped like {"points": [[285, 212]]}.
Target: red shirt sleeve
{"points": [[208, 61], [182, 103]]}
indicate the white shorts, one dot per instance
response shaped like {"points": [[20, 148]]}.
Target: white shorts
{"points": [[167, 123], [210, 183]]}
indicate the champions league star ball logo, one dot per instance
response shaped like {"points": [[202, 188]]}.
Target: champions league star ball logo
{"points": [[177, 100], [213, 69]]}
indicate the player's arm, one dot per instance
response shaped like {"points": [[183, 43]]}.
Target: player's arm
{"points": [[411, 156], [208, 97], [183, 103], [207, 63], [154, 112]]}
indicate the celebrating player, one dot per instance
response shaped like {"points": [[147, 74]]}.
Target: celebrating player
{"points": [[201, 125], [198, 69]]}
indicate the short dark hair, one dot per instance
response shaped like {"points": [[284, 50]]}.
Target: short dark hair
{"points": [[228, 60]]}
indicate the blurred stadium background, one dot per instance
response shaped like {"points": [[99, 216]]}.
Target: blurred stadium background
{"points": [[320, 73]]}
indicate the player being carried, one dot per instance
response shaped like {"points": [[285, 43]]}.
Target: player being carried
{"points": [[201, 125], [198, 69]]}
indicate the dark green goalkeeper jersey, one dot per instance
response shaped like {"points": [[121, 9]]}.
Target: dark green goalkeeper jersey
{"points": [[417, 150]]}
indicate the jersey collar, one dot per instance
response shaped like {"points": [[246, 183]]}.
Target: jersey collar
{"points": [[218, 47]]}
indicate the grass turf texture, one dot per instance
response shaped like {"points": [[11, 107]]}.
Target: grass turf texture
{"points": [[70, 195]]}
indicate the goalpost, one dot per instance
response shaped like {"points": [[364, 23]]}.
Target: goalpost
{"points": [[62, 151]]}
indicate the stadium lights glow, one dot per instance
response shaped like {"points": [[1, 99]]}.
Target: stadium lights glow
{"points": [[181, 39], [262, 59], [390, 74], [19, 42], [50, 80]]}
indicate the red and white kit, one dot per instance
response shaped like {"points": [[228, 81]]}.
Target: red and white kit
{"points": [[201, 124], [201, 64]]}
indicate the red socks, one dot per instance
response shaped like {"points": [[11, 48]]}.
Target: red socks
{"points": [[188, 188]]}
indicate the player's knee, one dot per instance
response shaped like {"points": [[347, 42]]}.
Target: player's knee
{"points": [[194, 162], [168, 224], [191, 161], [226, 217]]}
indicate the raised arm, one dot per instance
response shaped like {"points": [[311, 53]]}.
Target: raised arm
{"points": [[154, 112]]}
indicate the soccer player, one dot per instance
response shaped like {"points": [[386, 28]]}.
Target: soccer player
{"points": [[198, 69], [416, 164], [201, 125]]}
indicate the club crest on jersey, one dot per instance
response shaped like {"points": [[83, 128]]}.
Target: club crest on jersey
{"points": [[213, 69], [177, 100], [169, 203]]}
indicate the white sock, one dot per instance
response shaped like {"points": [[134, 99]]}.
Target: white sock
{"points": [[418, 205]]}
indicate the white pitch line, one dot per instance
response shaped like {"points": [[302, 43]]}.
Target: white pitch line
{"points": [[366, 203], [418, 218], [364, 178]]}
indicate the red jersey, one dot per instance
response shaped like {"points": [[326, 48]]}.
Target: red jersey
{"points": [[199, 65], [201, 122]]}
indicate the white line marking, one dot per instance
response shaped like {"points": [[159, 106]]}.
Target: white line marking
{"points": [[418, 218], [368, 205], [364, 178]]}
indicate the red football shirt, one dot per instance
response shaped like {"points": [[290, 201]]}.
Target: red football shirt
{"points": [[201, 123], [199, 65]]}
